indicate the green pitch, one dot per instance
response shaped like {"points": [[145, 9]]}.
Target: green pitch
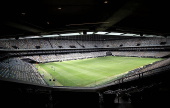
{"points": [[91, 71]]}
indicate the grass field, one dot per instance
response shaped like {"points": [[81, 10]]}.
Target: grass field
{"points": [[91, 71]]}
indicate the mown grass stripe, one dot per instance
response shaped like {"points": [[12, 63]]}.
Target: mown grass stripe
{"points": [[88, 71]]}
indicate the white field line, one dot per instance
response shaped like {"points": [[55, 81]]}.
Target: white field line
{"points": [[97, 79], [77, 78], [48, 74], [106, 79], [62, 75], [83, 71]]}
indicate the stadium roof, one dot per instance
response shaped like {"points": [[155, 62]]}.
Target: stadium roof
{"points": [[46, 17]]}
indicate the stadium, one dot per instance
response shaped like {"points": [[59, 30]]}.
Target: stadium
{"points": [[88, 53]]}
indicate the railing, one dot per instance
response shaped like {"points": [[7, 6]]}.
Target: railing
{"points": [[140, 75], [105, 82], [128, 77], [118, 80]]}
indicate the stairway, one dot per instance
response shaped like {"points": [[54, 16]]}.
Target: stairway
{"points": [[50, 43], [27, 44], [142, 53], [159, 54], [79, 44], [41, 59]]}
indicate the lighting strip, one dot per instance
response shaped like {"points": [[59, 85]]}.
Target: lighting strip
{"points": [[50, 35], [34, 37]]}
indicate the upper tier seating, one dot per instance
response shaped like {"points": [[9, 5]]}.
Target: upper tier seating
{"points": [[54, 43]]}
